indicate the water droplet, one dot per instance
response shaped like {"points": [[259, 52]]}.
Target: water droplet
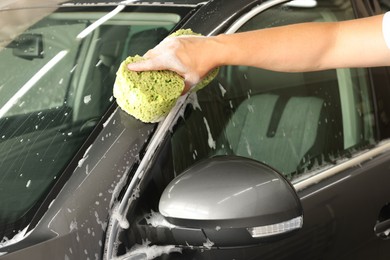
{"points": [[87, 99]]}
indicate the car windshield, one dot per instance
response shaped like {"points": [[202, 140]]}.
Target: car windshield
{"points": [[56, 86]]}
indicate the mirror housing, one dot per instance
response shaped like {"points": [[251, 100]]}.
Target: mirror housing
{"points": [[28, 46], [234, 201]]}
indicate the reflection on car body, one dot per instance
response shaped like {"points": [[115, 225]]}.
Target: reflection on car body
{"points": [[258, 165]]}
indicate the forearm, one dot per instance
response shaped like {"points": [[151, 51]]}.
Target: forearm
{"points": [[288, 48], [292, 48], [306, 47]]}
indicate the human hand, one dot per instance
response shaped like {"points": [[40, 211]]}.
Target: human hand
{"points": [[184, 55]]}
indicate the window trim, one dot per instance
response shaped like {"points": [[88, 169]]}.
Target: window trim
{"points": [[163, 128], [249, 15], [332, 170]]}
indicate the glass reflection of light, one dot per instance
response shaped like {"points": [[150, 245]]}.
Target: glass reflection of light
{"points": [[103, 19], [34, 79]]}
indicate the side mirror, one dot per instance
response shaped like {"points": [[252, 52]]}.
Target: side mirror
{"points": [[231, 201], [28, 46]]}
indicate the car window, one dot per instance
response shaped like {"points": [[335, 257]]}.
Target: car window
{"points": [[385, 5], [294, 122], [56, 85]]}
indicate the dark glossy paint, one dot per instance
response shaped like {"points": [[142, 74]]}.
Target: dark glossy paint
{"points": [[345, 209], [340, 213], [74, 224], [221, 14]]}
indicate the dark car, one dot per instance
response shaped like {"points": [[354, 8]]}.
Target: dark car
{"points": [[257, 165]]}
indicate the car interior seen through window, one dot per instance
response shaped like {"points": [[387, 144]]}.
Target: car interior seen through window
{"points": [[62, 90], [294, 122]]}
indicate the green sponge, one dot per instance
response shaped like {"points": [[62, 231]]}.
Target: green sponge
{"points": [[150, 95]]}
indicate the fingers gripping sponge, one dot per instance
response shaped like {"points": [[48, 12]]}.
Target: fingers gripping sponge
{"points": [[150, 95]]}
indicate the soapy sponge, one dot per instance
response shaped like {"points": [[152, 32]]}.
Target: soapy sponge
{"points": [[150, 95]]}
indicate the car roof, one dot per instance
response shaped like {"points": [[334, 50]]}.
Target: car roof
{"points": [[149, 2], [25, 4]]}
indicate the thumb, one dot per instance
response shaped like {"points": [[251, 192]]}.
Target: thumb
{"points": [[187, 87], [190, 81]]}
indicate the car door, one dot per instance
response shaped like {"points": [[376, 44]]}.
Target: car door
{"points": [[325, 132], [320, 129]]}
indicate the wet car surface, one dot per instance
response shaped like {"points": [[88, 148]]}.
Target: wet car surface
{"points": [[258, 165]]}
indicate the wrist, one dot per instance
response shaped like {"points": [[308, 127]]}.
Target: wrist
{"points": [[225, 51], [208, 54], [219, 50]]}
